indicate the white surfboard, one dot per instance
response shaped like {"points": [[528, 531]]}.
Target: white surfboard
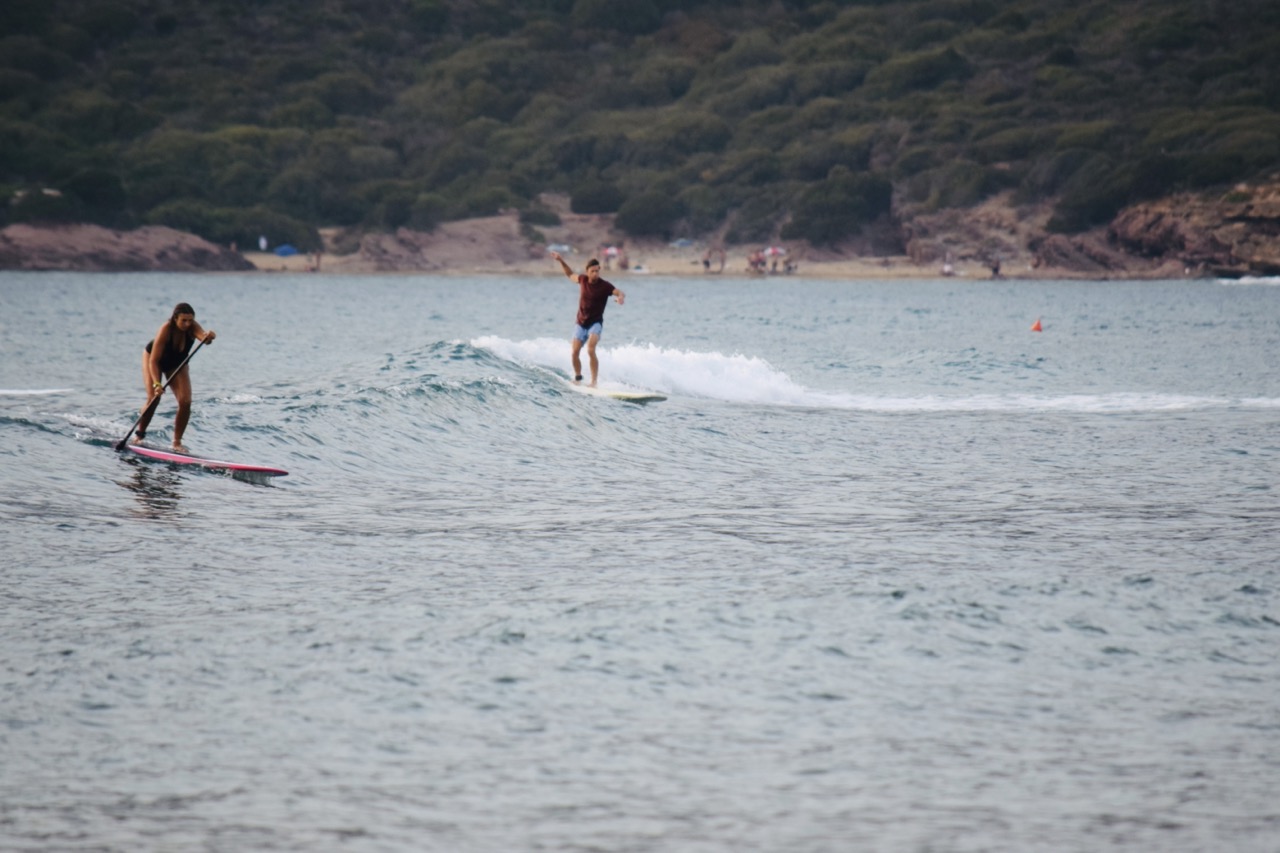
{"points": [[626, 396]]}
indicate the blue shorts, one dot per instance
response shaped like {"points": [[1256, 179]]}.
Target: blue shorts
{"points": [[581, 334]]}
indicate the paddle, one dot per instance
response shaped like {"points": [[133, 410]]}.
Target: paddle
{"points": [[155, 401]]}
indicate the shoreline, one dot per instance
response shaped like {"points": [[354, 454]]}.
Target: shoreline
{"points": [[664, 265], [496, 246]]}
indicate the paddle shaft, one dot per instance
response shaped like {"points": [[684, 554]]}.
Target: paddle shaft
{"points": [[155, 400]]}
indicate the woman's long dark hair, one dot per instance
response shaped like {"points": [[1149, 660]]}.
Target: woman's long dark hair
{"points": [[182, 344]]}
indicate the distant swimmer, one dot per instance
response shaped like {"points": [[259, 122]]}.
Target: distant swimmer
{"points": [[163, 357], [594, 293]]}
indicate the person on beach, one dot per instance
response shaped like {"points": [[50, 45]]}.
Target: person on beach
{"points": [[593, 296], [162, 356]]}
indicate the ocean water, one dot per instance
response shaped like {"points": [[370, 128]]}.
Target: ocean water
{"points": [[887, 571]]}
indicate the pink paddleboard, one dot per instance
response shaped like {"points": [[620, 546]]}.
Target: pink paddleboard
{"points": [[210, 464]]}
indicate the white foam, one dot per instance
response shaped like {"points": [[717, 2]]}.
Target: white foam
{"points": [[33, 392], [1250, 279], [748, 379]]}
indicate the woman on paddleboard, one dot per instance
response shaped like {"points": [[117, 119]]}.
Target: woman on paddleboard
{"points": [[594, 293], [165, 354]]}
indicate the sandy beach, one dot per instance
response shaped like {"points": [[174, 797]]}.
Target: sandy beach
{"points": [[968, 245], [497, 245], [655, 261]]}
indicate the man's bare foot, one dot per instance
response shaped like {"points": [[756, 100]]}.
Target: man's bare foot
{"points": [[138, 438], [181, 448]]}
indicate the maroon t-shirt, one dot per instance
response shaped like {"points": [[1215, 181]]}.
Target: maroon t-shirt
{"points": [[592, 300]]}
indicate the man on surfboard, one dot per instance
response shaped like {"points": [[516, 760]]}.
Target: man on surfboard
{"points": [[593, 296], [165, 356]]}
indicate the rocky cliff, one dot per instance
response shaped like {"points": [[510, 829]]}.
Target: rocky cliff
{"points": [[90, 248], [1233, 235]]}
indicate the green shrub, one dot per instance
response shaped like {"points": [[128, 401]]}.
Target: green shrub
{"points": [[906, 72], [1215, 67], [662, 79], [29, 149], [959, 11], [101, 195], [24, 16], [15, 85], [755, 220], [94, 117], [1070, 86], [929, 32], [748, 168], [833, 44], [147, 189], [30, 54], [677, 136], [596, 150], [705, 207], [479, 18], [649, 214], [194, 216], [43, 205], [109, 20], [1015, 143], [595, 196], [764, 87], [371, 162], [298, 190], [915, 160], [831, 79], [960, 183], [771, 128], [428, 211], [837, 208], [1096, 135], [634, 17], [483, 201], [750, 50], [455, 162], [1090, 197], [241, 184], [308, 113], [1061, 54], [819, 114], [1176, 31], [539, 214], [392, 205], [1048, 173], [244, 226], [806, 160]]}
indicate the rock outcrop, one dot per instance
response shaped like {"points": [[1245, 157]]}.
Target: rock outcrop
{"points": [[1231, 235], [90, 248], [1235, 235]]}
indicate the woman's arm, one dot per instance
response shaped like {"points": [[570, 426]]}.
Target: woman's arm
{"points": [[201, 334], [155, 379]]}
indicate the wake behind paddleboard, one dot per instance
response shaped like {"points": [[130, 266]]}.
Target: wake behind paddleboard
{"points": [[199, 462], [617, 394]]}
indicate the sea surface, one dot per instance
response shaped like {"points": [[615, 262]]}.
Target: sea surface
{"points": [[887, 571]]}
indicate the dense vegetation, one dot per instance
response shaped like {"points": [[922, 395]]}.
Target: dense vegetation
{"points": [[231, 118]]}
